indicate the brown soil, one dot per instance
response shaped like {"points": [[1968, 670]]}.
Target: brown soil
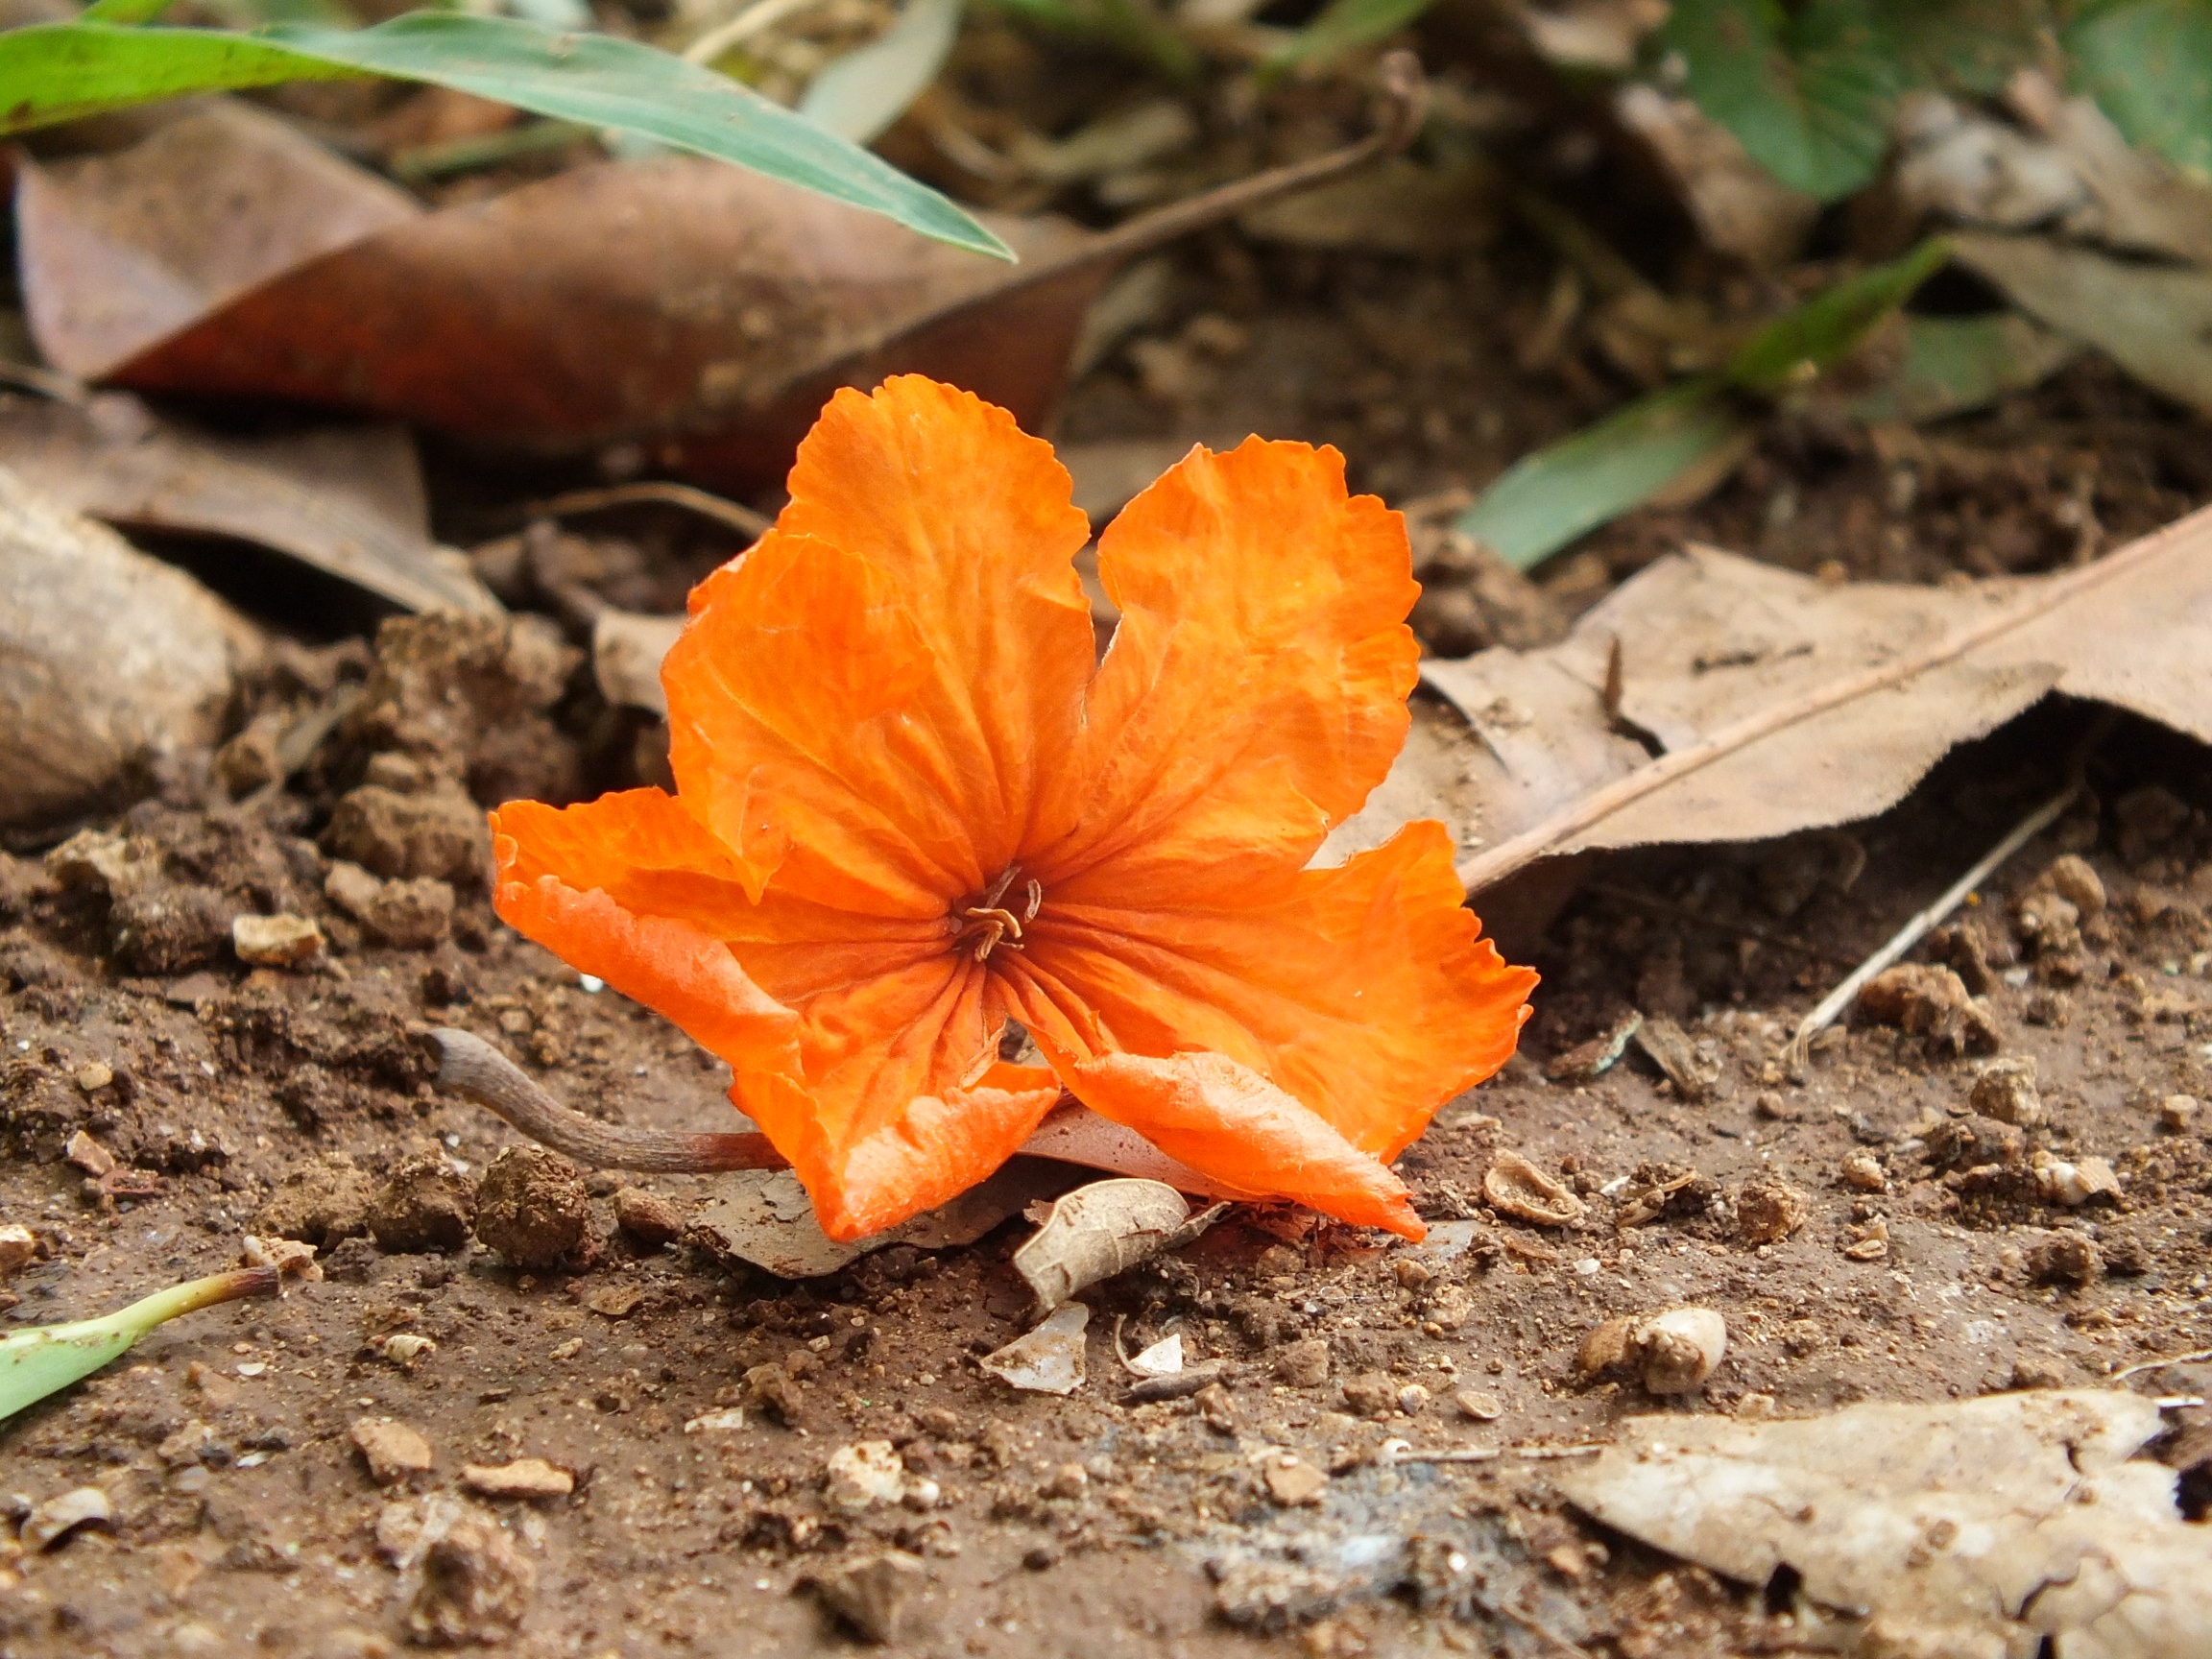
{"points": [[248, 1516]]}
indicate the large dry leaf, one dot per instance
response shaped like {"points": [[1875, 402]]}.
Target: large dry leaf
{"points": [[1983, 1528], [109, 660], [1777, 703], [700, 310], [347, 500]]}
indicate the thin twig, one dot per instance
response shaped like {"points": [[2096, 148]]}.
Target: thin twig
{"points": [[2196, 1356], [652, 492], [1494, 1454], [1561, 830], [1925, 921]]}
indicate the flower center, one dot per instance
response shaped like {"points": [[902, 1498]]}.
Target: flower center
{"points": [[987, 922]]}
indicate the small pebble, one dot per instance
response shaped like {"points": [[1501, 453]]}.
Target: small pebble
{"points": [[2065, 1258], [2006, 1090], [94, 1075], [651, 1219], [1863, 1170], [403, 1347], [279, 941], [2176, 1113], [1293, 1483], [17, 1246]]}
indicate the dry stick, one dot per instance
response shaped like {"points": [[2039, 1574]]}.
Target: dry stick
{"points": [[472, 1067], [1554, 833], [652, 492], [2196, 1356], [1401, 124], [1925, 921]]}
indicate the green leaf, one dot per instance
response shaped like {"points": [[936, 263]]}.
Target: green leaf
{"points": [[1134, 27], [863, 92], [1343, 26], [34, 1363], [1822, 331], [2148, 66], [1687, 435], [57, 71], [1545, 500], [1809, 93]]}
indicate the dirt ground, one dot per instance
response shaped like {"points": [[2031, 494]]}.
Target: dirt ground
{"points": [[246, 1515]]}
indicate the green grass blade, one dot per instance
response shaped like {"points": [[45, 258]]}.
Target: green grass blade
{"points": [[35, 1363], [57, 71], [1828, 327]]}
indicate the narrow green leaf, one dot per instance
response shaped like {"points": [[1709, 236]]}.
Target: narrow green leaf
{"points": [[1809, 93], [36, 1363], [1826, 327], [1665, 440], [2148, 66], [1344, 26], [57, 71], [1546, 499], [863, 92]]}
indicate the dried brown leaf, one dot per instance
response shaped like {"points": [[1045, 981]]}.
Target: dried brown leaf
{"points": [[1781, 704]]}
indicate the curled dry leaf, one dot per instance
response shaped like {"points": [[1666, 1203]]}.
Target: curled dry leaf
{"points": [[698, 309], [347, 500], [1049, 1360], [1979, 1527], [764, 1216], [1515, 1187], [109, 660], [1099, 1231], [1780, 703]]}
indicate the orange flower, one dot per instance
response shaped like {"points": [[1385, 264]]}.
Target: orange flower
{"points": [[911, 805]]}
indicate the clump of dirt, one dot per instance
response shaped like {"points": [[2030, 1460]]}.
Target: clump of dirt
{"points": [[425, 1205], [532, 1211]]}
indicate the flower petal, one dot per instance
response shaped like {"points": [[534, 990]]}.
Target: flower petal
{"points": [[1255, 691], [900, 1105], [671, 966], [866, 705], [1367, 992], [1227, 1121]]}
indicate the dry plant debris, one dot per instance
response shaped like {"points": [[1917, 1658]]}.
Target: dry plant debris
{"points": [[1775, 703], [1103, 1230], [1979, 1526]]}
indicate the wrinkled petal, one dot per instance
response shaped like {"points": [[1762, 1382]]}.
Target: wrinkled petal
{"points": [[670, 966], [868, 705], [1367, 992], [899, 1103], [1255, 690], [1230, 1123]]}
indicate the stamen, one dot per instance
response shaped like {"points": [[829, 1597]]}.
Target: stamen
{"points": [[986, 924]]}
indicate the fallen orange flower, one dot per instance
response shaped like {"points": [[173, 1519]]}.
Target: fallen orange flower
{"points": [[911, 805]]}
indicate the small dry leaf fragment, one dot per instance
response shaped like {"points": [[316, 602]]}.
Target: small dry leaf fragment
{"points": [[530, 1477], [1049, 1360], [391, 1450], [874, 1593], [763, 1217], [1294, 1483], [1596, 1057], [292, 1256], [1678, 1058], [403, 1347], [1162, 1358], [2176, 1113], [56, 1518], [1097, 1232], [1515, 1187], [1868, 1241]]}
